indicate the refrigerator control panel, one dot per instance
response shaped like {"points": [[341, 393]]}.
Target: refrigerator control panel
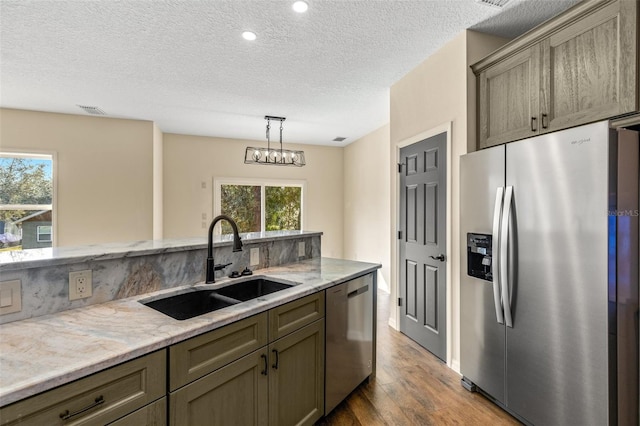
{"points": [[479, 256]]}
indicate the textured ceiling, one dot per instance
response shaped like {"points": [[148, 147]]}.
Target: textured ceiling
{"points": [[184, 65]]}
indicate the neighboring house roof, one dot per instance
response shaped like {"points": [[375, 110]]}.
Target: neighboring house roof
{"points": [[41, 215]]}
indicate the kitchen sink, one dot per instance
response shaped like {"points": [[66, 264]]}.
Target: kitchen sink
{"points": [[188, 305], [247, 290], [192, 304]]}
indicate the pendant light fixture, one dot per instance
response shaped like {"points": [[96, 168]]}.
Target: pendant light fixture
{"points": [[274, 156]]}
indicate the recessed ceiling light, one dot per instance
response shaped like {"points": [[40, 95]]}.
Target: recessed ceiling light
{"points": [[300, 6], [249, 35]]}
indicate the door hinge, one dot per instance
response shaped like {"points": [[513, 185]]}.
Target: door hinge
{"points": [[399, 167], [399, 301], [399, 235]]}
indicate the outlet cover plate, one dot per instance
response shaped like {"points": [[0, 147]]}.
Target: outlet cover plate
{"points": [[10, 297], [80, 284], [301, 250], [255, 256]]}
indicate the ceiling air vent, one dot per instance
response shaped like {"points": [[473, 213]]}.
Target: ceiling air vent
{"points": [[92, 110], [493, 3], [339, 139]]}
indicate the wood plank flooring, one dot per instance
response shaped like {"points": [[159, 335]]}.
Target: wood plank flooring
{"points": [[412, 387]]}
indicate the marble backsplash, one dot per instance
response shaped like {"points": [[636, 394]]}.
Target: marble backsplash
{"points": [[45, 289]]}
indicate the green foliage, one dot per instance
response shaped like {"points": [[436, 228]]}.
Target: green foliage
{"points": [[282, 207], [22, 182], [242, 204]]}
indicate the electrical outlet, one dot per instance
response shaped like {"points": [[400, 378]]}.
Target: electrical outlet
{"points": [[255, 256], [301, 249], [80, 284], [10, 297]]}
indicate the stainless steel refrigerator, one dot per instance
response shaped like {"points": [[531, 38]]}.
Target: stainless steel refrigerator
{"points": [[549, 279]]}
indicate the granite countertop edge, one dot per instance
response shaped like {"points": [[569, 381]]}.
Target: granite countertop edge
{"points": [[37, 258], [42, 353]]}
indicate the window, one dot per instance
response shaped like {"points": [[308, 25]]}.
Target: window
{"points": [[274, 205], [26, 200], [43, 234]]}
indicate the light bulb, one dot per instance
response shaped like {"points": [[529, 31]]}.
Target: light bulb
{"points": [[249, 35], [300, 6]]}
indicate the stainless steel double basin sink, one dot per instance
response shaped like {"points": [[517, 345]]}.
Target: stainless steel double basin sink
{"points": [[194, 303]]}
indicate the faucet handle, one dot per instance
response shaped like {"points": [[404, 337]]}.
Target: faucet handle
{"points": [[220, 266]]}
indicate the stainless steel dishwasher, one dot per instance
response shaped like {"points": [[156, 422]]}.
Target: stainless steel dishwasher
{"points": [[349, 338]]}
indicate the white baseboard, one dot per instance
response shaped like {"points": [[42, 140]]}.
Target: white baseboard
{"points": [[392, 323], [455, 366]]}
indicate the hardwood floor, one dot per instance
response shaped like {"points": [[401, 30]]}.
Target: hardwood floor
{"points": [[412, 387]]}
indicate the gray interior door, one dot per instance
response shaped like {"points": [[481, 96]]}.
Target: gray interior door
{"points": [[422, 247]]}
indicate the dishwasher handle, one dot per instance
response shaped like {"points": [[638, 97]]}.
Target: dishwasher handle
{"points": [[358, 291]]}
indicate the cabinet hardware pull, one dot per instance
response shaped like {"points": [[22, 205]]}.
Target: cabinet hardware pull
{"points": [[266, 367], [544, 116], [533, 121], [275, 364], [67, 415]]}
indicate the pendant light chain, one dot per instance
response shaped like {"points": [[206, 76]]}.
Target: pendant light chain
{"points": [[281, 150]]}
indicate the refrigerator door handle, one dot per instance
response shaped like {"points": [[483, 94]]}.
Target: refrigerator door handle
{"points": [[504, 253], [495, 271]]}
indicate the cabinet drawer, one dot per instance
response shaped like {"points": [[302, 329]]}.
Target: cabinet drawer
{"points": [[294, 315], [154, 414], [203, 354], [98, 399]]}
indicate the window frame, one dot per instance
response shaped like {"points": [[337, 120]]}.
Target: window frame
{"points": [[262, 183], [50, 233], [38, 155]]}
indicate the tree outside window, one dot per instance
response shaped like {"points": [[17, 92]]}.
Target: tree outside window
{"points": [[26, 200], [257, 206]]}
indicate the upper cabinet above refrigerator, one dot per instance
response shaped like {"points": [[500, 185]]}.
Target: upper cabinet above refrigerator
{"points": [[577, 68]]}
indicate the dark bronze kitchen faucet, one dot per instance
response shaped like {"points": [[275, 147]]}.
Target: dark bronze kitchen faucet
{"points": [[211, 267]]}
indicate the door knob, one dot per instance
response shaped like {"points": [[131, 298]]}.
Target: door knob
{"points": [[440, 258]]}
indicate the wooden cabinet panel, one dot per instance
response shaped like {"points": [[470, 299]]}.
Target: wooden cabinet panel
{"points": [[577, 68], [203, 354], [98, 399], [586, 72], [154, 414], [233, 395], [508, 98], [289, 317], [296, 381]]}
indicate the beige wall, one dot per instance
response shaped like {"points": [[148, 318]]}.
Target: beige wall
{"points": [[158, 183], [192, 162], [431, 96], [104, 174], [366, 202]]}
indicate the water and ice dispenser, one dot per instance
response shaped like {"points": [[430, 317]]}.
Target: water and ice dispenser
{"points": [[479, 256]]}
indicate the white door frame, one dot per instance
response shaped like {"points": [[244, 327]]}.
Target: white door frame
{"points": [[442, 128]]}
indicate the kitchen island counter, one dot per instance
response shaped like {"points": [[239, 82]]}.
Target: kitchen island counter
{"points": [[41, 353]]}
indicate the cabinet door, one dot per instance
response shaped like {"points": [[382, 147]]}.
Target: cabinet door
{"points": [[589, 68], [233, 395], [296, 377], [508, 94]]}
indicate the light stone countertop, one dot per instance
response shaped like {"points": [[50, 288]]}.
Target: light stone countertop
{"points": [[36, 258], [41, 353]]}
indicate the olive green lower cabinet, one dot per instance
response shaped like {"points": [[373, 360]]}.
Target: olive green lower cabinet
{"points": [[279, 384], [102, 398]]}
